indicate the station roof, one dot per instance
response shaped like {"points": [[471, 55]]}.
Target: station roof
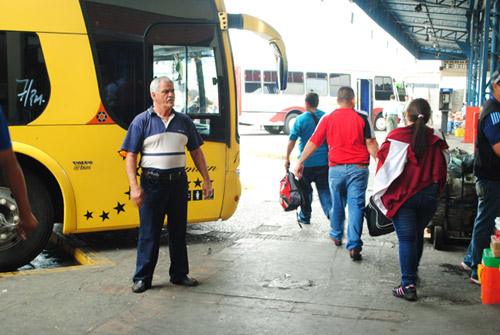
{"points": [[428, 29]]}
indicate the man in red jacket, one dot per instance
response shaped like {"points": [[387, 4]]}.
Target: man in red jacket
{"points": [[351, 140]]}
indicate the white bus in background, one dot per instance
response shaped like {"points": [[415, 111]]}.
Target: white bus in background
{"points": [[262, 104]]}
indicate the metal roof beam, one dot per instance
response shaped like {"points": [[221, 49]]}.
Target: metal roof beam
{"points": [[387, 21]]}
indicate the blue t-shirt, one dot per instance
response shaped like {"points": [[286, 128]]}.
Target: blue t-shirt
{"points": [[303, 128], [162, 143], [5, 142]]}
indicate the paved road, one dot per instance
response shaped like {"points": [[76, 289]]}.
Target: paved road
{"points": [[260, 274]]}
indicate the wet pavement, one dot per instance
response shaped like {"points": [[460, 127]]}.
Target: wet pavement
{"points": [[260, 273]]}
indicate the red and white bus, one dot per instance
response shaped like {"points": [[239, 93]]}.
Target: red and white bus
{"points": [[262, 104]]}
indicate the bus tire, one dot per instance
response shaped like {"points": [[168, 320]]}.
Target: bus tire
{"points": [[15, 252], [289, 121], [273, 129], [380, 122]]}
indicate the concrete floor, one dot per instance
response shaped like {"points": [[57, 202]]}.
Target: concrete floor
{"points": [[270, 278]]}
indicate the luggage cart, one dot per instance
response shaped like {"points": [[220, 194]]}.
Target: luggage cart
{"points": [[454, 219]]}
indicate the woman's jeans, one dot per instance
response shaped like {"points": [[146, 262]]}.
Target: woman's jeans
{"points": [[410, 222], [348, 184]]}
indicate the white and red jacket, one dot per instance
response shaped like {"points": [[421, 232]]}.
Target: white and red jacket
{"points": [[400, 175]]}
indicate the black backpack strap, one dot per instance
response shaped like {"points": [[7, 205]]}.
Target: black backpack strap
{"points": [[314, 117]]}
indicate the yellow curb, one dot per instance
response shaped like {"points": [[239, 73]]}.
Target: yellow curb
{"points": [[86, 259]]}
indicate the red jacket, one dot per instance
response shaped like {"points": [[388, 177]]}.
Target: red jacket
{"points": [[400, 175]]}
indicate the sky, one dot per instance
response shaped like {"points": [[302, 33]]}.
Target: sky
{"points": [[329, 34]]}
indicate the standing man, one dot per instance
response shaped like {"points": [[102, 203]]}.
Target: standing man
{"points": [[160, 135], [316, 167], [13, 176], [351, 140], [405, 107], [391, 113], [487, 171]]}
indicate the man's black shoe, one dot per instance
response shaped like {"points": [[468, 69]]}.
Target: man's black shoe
{"points": [[355, 255], [140, 286], [185, 281]]}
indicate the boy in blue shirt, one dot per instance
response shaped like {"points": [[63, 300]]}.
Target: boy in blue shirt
{"points": [[316, 167]]}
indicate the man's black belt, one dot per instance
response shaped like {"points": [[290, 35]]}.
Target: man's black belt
{"points": [[160, 175]]}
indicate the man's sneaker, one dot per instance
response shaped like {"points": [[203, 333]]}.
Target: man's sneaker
{"points": [[465, 267], [408, 292], [303, 221], [475, 280]]}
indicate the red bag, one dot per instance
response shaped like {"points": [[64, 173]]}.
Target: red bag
{"points": [[291, 195]]}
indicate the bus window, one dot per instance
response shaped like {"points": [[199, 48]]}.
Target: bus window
{"points": [[193, 68], [317, 82], [383, 88], [337, 80], [252, 81], [295, 83], [270, 82], [24, 83]]}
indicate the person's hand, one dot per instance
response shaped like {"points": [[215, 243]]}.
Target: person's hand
{"points": [[287, 163], [26, 226], [207, 189], [137, 196], [299, 169]]}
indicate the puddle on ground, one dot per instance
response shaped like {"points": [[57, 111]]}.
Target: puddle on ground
{"points": [[51, 257], [453, 269], [286, 282]]}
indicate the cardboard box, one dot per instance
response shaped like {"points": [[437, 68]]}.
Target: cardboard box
{"points": [[495, 247]]}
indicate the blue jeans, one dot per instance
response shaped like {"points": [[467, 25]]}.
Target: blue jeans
{"points": [[488, 208], [319, 175], [348, 187], [410, 221], [170, 198]]}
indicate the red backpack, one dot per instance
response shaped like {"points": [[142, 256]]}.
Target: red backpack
{"points": [[291, 195]]}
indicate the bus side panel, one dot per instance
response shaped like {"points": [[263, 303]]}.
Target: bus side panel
{"points": [[74, 93], [59, 174], [97, 175], [34, 15]]}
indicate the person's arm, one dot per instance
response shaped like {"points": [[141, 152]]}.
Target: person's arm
{"points": [[201, 164], [308, 151], [289, 149], [496, 149], [15, 180], [136, 192], [372, 146]]}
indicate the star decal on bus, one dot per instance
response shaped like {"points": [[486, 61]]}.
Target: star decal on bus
{"points": [[88, 215], [119, 208], [197, 182], [104, 215]]}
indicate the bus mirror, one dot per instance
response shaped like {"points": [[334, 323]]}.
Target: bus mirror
{"points": [[264, 30], [281, 65]]}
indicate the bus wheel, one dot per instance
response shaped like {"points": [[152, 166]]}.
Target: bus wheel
{"points": [[15, 252], [273, 129], [380, 123], [289, 121]]}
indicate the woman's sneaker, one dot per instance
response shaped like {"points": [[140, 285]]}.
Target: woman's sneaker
{"points": [[465, 266], [408, 292]]}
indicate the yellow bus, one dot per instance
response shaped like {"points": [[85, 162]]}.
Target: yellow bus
{"points": [[74, 73]]}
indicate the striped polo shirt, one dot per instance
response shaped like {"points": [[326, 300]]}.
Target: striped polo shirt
{"points": [[161, 143]]}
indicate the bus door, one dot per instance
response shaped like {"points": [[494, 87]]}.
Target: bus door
{"points": [[364, 96], [190, 55]]}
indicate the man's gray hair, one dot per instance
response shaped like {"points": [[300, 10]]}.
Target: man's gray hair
{"points": [[155, 84]]}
